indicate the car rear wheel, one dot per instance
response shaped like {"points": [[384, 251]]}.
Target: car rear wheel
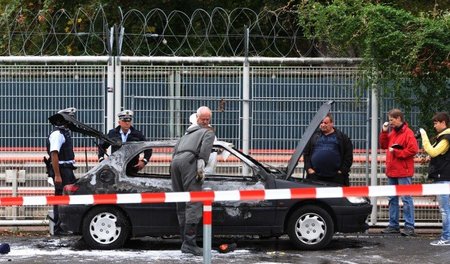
{"points": [[105, 227], [310, 227]]}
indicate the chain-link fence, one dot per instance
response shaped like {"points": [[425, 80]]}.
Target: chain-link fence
{"points": [[282, 100]]}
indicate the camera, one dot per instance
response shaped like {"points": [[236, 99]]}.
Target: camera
{"points": [[417, 134]]}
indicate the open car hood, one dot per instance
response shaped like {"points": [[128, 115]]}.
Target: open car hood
{"points": [[313, 125], [77, 126]]}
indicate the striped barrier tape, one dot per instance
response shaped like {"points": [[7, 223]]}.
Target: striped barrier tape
{"points": [[243, 195]]}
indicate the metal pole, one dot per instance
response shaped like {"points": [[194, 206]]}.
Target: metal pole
{"points": [[118, 74], [14, 192], [110, 96], [367, 166], [207, 232], [374, 149], [234, 59], [246, 104], [110, 85], [117, 87], [178, 122], [171, 85]]}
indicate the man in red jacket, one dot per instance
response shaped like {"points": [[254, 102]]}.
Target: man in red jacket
{"points": [[401, 146]]}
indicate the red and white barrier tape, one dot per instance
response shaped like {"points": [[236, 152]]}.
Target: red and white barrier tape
{"points": [[243, 195]]}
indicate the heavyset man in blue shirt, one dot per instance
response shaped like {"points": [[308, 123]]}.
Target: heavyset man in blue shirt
{"points": [[329, 154]]}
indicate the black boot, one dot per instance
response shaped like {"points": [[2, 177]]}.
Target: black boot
{"points": [[189, 244]]}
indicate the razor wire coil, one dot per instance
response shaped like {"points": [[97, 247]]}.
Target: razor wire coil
{"points": [[154, 33]]}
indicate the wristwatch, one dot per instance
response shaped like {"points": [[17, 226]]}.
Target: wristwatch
{"points": [[145, 161]]}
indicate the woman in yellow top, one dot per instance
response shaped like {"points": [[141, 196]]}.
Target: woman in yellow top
{"points": [[439, 168]]}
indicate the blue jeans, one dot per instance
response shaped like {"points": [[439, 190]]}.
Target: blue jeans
{"points": [[444, 207], [408, 205]]}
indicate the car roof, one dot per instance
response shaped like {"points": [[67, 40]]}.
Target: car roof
{"points": [[172, 143], [77, 126]]}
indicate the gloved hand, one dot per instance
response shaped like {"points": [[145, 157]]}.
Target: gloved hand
{"points": [[385, 126], [200, 170]]}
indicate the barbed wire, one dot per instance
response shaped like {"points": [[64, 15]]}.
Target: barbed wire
{"points": [[155, 33]]}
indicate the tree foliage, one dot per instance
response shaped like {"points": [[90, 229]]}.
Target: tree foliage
{"points": [[406, 54]]}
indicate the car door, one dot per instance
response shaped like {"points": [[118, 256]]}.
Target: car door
{"points": [[238, 217], [150, 218]]}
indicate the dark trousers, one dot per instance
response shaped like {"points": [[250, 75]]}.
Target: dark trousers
{"points": [[67, 177], [340, 179], [183, 176]]}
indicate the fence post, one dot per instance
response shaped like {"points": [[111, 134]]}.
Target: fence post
{"points": [[207, 231], [110, 120], [374, 150], [246, 105], [11, 176]]}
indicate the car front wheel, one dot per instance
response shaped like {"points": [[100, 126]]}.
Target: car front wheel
{"points": [[105, 227], [310, 227]]}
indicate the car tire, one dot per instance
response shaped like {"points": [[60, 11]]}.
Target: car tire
{"points": [[310, 227], [105, 227]]}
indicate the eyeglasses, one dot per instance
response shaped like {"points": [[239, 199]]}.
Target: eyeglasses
{"points": [[127, 120]]}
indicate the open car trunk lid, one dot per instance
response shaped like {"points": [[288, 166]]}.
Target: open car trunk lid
{"points": [[313, 125], [77, 126]]}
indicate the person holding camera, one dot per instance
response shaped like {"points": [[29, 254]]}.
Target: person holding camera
{"points": [[439, 168], [401, 146]]}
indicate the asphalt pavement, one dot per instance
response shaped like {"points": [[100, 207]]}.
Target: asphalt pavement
{"points": [[35, 245]]}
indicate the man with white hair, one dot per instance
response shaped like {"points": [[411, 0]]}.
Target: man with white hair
{"points": [[210, 167], [187, 170]]}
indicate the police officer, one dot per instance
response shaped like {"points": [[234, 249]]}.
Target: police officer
{"points": [[126, 133], [190, 155], [62, 159]]}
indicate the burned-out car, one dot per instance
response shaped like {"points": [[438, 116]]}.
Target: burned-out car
{"points": [[309, 223]]}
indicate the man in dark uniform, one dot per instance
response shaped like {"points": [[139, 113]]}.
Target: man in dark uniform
{"points": [[62, 160], [329, 154], [126, 133], [187, 170]]}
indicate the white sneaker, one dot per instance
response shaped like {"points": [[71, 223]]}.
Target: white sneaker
{"points": [[440, 242]]}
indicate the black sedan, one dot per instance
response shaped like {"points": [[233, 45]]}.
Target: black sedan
{"points": [[309, 223]]}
